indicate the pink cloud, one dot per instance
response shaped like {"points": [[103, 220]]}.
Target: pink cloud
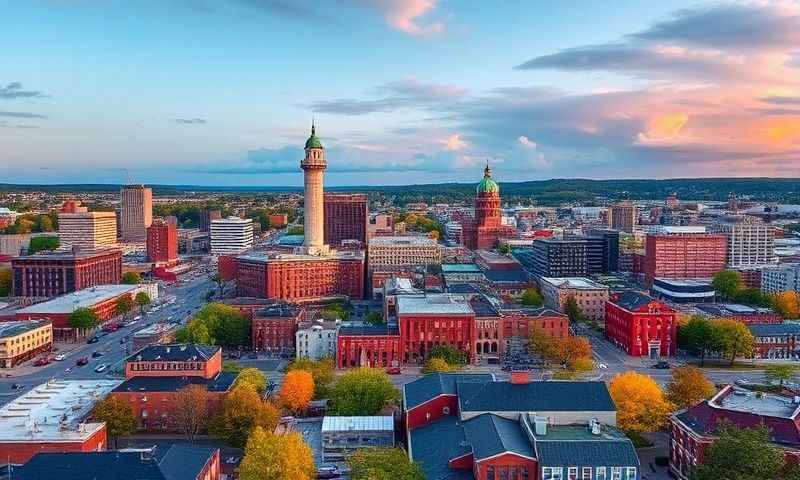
{"points": [[406, 15]]}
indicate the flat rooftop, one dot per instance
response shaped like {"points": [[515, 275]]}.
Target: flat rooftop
{"points": [[756, 403], [265, 257], [580, 283], [685, 282], [54, 412], [358, 424], [56, 255], [439, 304], [401, 241], [460, 268], [674, 229], [18, 327], [81, 299]]}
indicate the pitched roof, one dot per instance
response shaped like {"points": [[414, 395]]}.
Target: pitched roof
{"points": [[518, 276], [432, 385], [435, 444], [185, 352], [492, 435], [632, 300], [221, 383], [772, 329], [184, 461], [550, 396], [574, 445]]}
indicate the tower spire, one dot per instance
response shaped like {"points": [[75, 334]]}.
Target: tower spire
{"points": [[313, 128]]}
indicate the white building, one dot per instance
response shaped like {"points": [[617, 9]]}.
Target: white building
{"points": [[781, 278], [231, 235], [317, 339], [750, 242], [402, 251], [87, 230]]}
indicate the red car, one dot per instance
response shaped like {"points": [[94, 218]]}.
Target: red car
{"points": [[110, 327], [393, 371], [41, 362], [82, 361]]}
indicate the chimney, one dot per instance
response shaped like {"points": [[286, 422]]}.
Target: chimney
{"points": [[520, 377], [540, 425]]}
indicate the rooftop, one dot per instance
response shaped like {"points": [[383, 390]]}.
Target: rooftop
{"points": [[432, 385], [579, 283], [460, 268], [501, 276], [278, 310], [437, 304], [85, 298], [539, 396], [222, 382], [674, 230], [63, 255], [576, 445], [174, 352], [757, 403], [358, 424], [435, 443], [14, 328], [264, 257], [366, 330], [403, 241], [774, 329], [491, 435], [684, 282], [54, 411]]}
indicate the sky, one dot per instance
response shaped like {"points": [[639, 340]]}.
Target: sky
{"points": [[223, 92]]}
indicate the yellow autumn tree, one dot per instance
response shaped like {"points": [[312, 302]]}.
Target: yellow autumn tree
{"points": [[641, 404], [787, 304], [688, 386], [279, 457], [436, 364], [297, 390]]}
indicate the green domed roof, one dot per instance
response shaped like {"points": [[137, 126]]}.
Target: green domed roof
{"points": [[313, 140], [487, 185]]}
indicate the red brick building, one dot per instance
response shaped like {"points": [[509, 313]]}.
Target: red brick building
{"points": [[680, 255], [441, 319], [155, 374], [346, 217], [776, 341], [162, 243], [300, 278], [54, 274], [273, 328], [278, 220], [483, 231], [371, 346], [641, 325]]}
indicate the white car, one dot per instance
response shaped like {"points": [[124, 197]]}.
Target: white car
{"points": [[60, 357], [101, 368]]}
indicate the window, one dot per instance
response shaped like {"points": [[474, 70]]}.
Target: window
{"points": [[552, 473], [630, 473], [572, 473], [600, 473], [490, 473], [616, 473], [586, 473]]}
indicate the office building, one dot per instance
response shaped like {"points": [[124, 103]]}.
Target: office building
{"points": [[683, 290], [440, 319], [781, 278], [48, 275], [551, 257], [136, 212], [162, 243], [749, 241], [21, 340], [641, 325], [602, 251], [346, 217], [623, 217], [684, 253], [590, 296], [79, 229], [402, 251], [231, 235], [206, 217]]}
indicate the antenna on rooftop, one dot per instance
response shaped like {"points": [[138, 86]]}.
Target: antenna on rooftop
{"points": [[128, 174]]}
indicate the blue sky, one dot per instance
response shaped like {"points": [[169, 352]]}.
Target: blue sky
{"points": [[403, 91]]}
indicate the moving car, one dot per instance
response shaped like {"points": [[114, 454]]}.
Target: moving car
{"points": [[97, 354], [94, 339], [41, 362], [101, 368], [17, 386], [82, 361], [59, 357], [662, 365]]}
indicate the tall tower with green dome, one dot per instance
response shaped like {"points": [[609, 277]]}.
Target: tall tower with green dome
{"points": [[487, 201], [313, 166]]}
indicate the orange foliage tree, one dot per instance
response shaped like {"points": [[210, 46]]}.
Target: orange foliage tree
{"points": [[297, 390], [688, 386], [641, 404], [787, 304]]}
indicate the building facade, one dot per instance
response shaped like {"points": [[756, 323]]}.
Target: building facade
{"points": [[136, 212], [162, 243], [485, 229], [749, 240], [316, 340], [590, 296], [375, 346], [623, 217], [273, 328], [48, 275], [402, 251], [683, 254], [346, 217], [776, 341], [83, 230], [641, 325], [22, 340], [551, 257], [433, 320], [231, 235], [781, 278], [314, 165]]}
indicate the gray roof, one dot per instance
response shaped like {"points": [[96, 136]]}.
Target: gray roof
{"points": [[517, 276], [491, 435], [631, 300], [774, 329], [176, 352], [435, 444], [573, 445], [551, 396], [18, 327], [432, 385], [185, 461]]}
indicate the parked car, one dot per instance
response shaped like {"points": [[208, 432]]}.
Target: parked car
{"points": [[97, 354], [393, 371], [82, 361], [59, 357], [662, 365], [41, 362], [17, 386], [100, 368], [94, 339]]}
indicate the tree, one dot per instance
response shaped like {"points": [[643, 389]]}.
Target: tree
{"points": [[242, 411], [193, 332], [572, 310], [142, 300], [641, 405], [450, 354], [42, 244], [688, 386], [571, 348], [221, 325], [83, 319], [191, 410], [278, 457], [131, 278], [698, 336], [118, 415], [295, 230], [752, 296], [335, 311], [123, 305], [321, 370], [436, 364], [252, 377], [504, 248], [362, 391], [741, 454], [733, 338], [383, 464], [787, 304], [543, 344], [5, 282], [727, 283], [532, 297], [296, 391], [779, 373], [374, 318]]}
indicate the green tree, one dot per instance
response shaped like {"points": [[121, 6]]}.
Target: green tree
{"points": [[83, 319], [295, 230], [741, 454], [131, 278], [217, 324], [123, 306], [5, 282], [118, 415], [752, 296], [733, 339], [531, 297], [374, 318], [43, 243], [252, 377], [572, 310], [727, 283], [436, 364], [335, 311], [142, 300], [362, 391], [383, 464], [453, 356], [278, 457], [504, 249], [697, 335], [194, 332], [780, 373]]}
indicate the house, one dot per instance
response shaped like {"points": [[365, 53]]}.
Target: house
{"points": [[641, 325]]}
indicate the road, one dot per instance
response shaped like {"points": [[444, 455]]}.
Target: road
{"points": [[189, 296]]}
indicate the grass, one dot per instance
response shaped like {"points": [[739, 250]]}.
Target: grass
{"points": [[639, 441]]}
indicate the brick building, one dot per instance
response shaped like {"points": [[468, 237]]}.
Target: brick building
{"points": [[162, 243], [641, 325], [775, 341], [683, 252], [473, 427], [433, 320], [346, 217], [375, 346], [300, 278], [52, 274], [694, 429], [155, 374], [590, 296], [486, 227], [623, 217], [23, 340], [273, 328]]}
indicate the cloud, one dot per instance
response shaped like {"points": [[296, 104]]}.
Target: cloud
{"points": [[407, 93], [189, 121], [14, 90], [526, 142], [454, 143], [407, 15], [4, 124], [21, 115], [779, 100]]}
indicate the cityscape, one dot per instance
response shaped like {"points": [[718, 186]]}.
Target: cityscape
{"points": [[594, 276]]}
